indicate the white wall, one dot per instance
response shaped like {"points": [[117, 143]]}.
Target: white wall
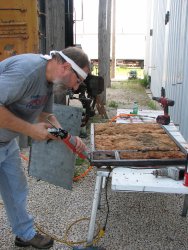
{"points": [[130, 28], [169, 57]]}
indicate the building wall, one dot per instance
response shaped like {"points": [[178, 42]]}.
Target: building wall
{"points": [[176, 56], [148, 43], [130, 28], [184, 99], [169, 56], [158, 40]]}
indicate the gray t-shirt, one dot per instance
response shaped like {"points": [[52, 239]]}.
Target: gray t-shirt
{"points": [[24, 90]]}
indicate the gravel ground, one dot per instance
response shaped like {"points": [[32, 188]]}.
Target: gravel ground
{"points": [[137, 221]]}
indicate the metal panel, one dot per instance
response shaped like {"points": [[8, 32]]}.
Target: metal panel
{"points": [[148, 45], [54, 162], [174, 62], [176, 51], [184, 109], [158, 39]]}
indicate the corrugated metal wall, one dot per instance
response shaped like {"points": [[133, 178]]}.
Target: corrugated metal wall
{"points": [[184, 109], [175, 60], [158, 40], [148, 44], [170, 57]]}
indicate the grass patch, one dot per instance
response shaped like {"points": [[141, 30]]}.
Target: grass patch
{"points": [[112, 104], [80, 166], [152, 105], [133, 85], [122, 71], [144, 82]]}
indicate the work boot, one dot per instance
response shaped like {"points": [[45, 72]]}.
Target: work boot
{"points": [[39, 241]]}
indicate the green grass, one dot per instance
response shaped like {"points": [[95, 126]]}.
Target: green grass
{"points": [[123, 71], [152, 105], [112, 104], [80, 166], [145, 81], [133, 85]]}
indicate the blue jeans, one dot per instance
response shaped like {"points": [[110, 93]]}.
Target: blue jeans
{"points": [[14, 190]]}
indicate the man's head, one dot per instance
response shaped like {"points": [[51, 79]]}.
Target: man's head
{"points": [[68, 68]]}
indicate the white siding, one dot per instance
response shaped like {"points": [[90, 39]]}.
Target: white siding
{"points": [[184, 107], [158, 40], [170, 57], [148, 44], [176, 55]]}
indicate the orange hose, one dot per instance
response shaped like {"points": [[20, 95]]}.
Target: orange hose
{"points": [[83, 174], [121, 116], [25, 158]]}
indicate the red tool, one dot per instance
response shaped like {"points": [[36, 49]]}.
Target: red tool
{"points": [[165, 103], [68, 139]]}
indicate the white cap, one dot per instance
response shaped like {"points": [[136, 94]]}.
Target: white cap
{"points": [[80, 71]]}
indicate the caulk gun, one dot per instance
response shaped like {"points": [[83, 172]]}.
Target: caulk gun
{"points": [[68, 139]]}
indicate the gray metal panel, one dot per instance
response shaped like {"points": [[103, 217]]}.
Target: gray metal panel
{"points": [[184, 110], [148, 47], [158, 39], [54, 162], [175, 73], [176, 52]]}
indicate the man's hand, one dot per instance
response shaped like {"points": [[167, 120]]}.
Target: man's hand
{"points": [[39, 131]]}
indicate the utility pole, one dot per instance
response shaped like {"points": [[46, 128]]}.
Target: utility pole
{"points": [[113, 64], [104, 28]]}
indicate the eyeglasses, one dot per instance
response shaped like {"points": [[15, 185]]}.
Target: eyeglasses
{"points": [[79, 81]]}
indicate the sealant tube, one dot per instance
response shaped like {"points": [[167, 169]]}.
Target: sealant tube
{"points": [[70, 141]]}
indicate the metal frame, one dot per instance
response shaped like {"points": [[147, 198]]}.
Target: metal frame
{"points": [[116, 161], [101, 174], [112, 157]]}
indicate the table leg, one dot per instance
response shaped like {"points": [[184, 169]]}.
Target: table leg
{"points": [[94, 209], [185, 206], [100, 191], [96, 200]]}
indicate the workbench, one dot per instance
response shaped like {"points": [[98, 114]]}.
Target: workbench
{"points": [[126, 179]]}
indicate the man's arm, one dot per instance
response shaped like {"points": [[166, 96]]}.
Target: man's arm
{"points": [[36, 131]]}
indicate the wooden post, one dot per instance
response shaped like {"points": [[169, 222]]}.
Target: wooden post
{"points": [[100, 107], [55, 25], [55, 33], [104, 43]]}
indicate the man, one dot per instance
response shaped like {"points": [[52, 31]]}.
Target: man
{"points": [[26, 86]]}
